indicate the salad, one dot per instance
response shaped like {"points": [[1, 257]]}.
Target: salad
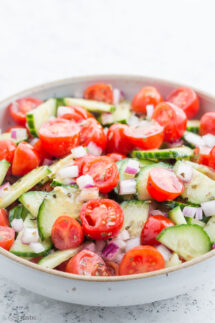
{"points": [[101, 186]]}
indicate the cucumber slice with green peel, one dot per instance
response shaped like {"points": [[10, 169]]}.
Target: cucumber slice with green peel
{"points": [[174, 260], [192, 139], [171, 153], [32, 201], [37, 117], [210, 229], [23, 185], [200, 189], [58, 257], [90, 105], [7, 135], [187, 240], [177, 216], [135, 216], [4, 166], [61, 201], [172, 204], [120, 115], [202, 168], [23, 250], [194, 221], [193, 126], [18, 212]]}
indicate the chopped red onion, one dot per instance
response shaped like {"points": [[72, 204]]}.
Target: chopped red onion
{"points": [[123, 235], [174, 144], [17, 225], [133, 167], [166, 253], [29, 235], [119, 242], [63, 110], [47, 162], [189, 211], [84, 181], [119, 257], [90, 246], [209, 140], [132, 243], [78, 152], [94, 149], [156, 212], [213, 246], [118, 96], [107, 118], [70, 171], [199, 213], [184, 172], [127, 186], [88, 194], [4, 189], [110, 252], [37, 247], [149, 111], [19, 134], [208, 208]]}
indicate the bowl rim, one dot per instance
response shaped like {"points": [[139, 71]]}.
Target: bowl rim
{"points": [[165, 271]]}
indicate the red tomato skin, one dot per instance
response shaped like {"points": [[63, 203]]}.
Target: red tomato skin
{"points": [[172, 118], [41, 152], [186, 99], [87, 263], [116, 156], [67, 233], [59, 136], [21, 107], [92, 131], [140, 260], [207, 124], [211, 162], [99, 92], [7, 236], [82, 161], [4, 222], [95, 216], [25, 159], [117, 141], [148, 95], [77, 114], [7, 150], [153, 226]]}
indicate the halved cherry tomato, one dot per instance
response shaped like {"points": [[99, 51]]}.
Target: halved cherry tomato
{"points": [[207, 124], [141, 259], [62, 266], [59, 136], [7, 150], [101, 219], [146, 135], [204, 156], [4, 222], [87, 263], [172, 118], [21, 107], [116, 156], [163, 184], [186, 99], [82, 161], [67, 233], [153, 226], [7, 236], [92, 131], [35, 260], [211, 162], [112, 268], [25, 159], [43, 154], [104, 173], [99, 92], [148, 95], [76, 114], [117, 141]]}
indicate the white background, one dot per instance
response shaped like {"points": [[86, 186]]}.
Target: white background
{"points": [[45, 40]]}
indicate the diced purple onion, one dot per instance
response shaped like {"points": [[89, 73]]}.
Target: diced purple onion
{"points": [[78, 152], [69, 171], [18, 134], [4, 189], [107, 118], [47, 162], [149, 111], [157, 212], [132, 243], [119, 242], [174, 144], [208, 208], [133, 167], [213, 246], [90, 246], [29, 235], [166, 253], [199, 213], [118, 96], [189, 211], [94, 149], [119, 257], [123, 235], [17, 225], [110, 252], [127, 186], [37, 247], [84, 180]]}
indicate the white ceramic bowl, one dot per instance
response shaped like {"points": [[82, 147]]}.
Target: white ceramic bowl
{"points": [[103, 291]]}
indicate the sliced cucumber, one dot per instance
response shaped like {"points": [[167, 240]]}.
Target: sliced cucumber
{"points": [[171, 153], [120, 115], [18, 212], [174, 260], [192, 139], [4, 166], [90, 105], [193, 126], [210, 229], [187, 240], [23, 185], [37, 117], [200, 189], [23, 250], [202, 168], [194, 221], [172, 204], [135, 216], [61, 201], [7, 135], [32, 201], [56, 258], [177, 216]]}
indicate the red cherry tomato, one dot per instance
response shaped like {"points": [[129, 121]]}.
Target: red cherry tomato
{"points": [[112, 268], [101, 219], [140, 260], [146, 135], [211, 162], [35, 260], [43, 154], [67, 233], [7, 150], [25, 159], [87, 263], [207, 124], [204, 156], [4, 222], [92, 131], [59, 136], [116, 156], [163, 184], [7, 236], [148, 95], [104, 173], [117, 141], [172, 118], [153, 226], [21, 107], [186, 99], [99, 92], [76, 114], [82, 161]]}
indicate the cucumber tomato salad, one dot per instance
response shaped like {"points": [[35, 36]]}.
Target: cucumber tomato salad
{"points": [[100, 186]]}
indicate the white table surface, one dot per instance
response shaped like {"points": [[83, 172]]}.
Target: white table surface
{"points": [[44, 40]]}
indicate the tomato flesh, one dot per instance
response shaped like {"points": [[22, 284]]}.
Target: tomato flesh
{"points": [[148, 95], [140, 260], [76, 114], [207, 124], [82, 161], [25, 159], [4, 222], [7, 236], [7, 150], [21, 107], [41, 151], [163, 185], [92, 131], [211, 162], [101, 219], [99, 92], [117, 141]]}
